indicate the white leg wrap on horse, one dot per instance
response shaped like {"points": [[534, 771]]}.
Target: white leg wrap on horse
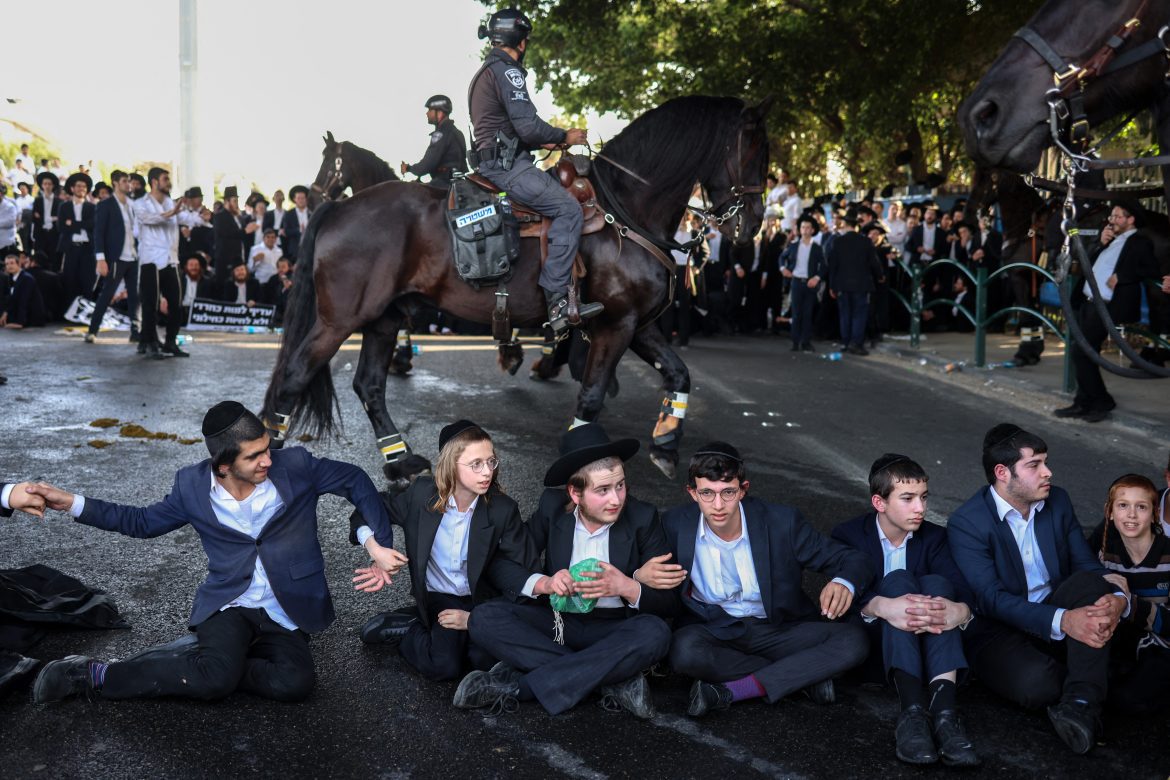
{"points": [[280, 427], [577, 421], [392, 447], [675, 405]]}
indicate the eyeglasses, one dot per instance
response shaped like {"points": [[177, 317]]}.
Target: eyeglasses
{"points": [[707, 495], [481, 466]]}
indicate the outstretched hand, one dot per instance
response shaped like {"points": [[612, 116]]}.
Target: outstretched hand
{"points": [[371, 579], [54, 497], [20, 499], [659, 574]]}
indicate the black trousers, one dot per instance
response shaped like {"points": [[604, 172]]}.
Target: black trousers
{"points": [[784, 657], [79, 271], [677, 317], [118, 271], [925, 656], [602, 647], [152, 281], [236, 649], [1143, 688], [1034, 672], [439, 653], [1091, 391]]}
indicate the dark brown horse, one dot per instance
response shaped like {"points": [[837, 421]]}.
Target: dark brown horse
{"points": [[347, 165], [1005, 121], [367, 261]]}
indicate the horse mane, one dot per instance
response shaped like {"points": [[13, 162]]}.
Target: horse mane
{"points": [[374, 162], [673, 146]]}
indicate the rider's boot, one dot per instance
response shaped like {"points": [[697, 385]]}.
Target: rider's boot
{"points": [[565, 312]]}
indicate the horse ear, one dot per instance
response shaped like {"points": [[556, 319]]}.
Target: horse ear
{"points": [[764, 106], [329, 137]]}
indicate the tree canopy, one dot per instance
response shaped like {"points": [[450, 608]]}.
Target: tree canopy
{"points": [[856, 82]]}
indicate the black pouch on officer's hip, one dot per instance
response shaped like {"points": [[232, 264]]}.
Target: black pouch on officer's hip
{"points": [[485, 236]]}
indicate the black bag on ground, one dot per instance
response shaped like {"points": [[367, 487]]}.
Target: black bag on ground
{"points": [[36, 597]]}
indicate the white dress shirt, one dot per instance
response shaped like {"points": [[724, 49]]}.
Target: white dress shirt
{"points": [[248, 517], [1024, 531], [792, 207], [1106, 264], [447, 565], [158, 236], [191, 218], [50, 204], [894, 557], [303, 219], [586, 544], [265, 268], [724, 573], [9, 219], [927, 239], [800, 267]]}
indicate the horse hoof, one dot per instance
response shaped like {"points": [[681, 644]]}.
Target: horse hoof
{"points": [[665, 464], [275, 444], [400, 473], [400, 369]]}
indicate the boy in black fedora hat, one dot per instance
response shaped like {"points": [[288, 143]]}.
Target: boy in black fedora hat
{"points": [[75, 222], [558, 658]]}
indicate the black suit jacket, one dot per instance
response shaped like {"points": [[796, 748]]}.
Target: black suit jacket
{"points": [[783, 546], [109, 231], [853, 264], [992, 246], [44, 240], [500, 553], [4, 512], [634, 538], [229, 292], [927, 552], [68, 225], [24, 304], [291, 230], [204, 289], [917, 236], [986, 552], [1136, 264], [229, 240]]}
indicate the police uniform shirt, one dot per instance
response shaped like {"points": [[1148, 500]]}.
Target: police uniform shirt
{"points": [[446, 153], [499, 100]]}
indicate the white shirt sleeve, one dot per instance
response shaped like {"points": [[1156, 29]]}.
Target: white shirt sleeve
{"points": [[363, 534], [530, 586], [78, 505], [4, 496], [1056, 618], [847, 584]]}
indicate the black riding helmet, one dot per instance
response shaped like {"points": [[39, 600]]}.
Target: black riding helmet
{"points": [[506, 27], [440, 103]]}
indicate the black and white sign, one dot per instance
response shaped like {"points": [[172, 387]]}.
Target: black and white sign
{"points": [[217, 315]]}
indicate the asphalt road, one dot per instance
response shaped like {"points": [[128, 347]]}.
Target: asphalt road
{"points": [[808, 427]]}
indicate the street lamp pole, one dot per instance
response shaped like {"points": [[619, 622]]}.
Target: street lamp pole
{"points": [[188, 173]]}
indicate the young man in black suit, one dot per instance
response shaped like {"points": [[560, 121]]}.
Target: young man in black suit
{"points": [[559, 658], [1122, 264], [75, 221], [914, 613], [231, 234], [747, 629], [23, 305], [115, 252], [466, 545], [1045, 612], [45, 234], [854, 274]]}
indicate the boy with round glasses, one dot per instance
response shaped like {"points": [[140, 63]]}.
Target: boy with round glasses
{"points": [[748, 630]]}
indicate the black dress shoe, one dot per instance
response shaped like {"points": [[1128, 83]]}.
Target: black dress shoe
{"points": [[1076, 723], [174, 351], [822, 692], [1095, 416], [480, 689], [1076, 410], [150, 351], [388, 627], [954, 748], [857, 349], [133, 335], [912, 736], [708, 697], [61, 679], [633, 696]]}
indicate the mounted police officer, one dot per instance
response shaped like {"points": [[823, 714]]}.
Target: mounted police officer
{"points": [[506, 130], [447, 153]]}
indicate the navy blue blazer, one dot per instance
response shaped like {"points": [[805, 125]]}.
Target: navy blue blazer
{"points": [[109, 232], [986, 553], [288, 545], [783, 546], [634, 538], [4, 512], [927, 552]]}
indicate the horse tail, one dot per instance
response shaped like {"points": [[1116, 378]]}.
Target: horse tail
{"points": [[316, 403]]}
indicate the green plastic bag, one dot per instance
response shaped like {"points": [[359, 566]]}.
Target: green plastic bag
{"points": [[575, 603]]}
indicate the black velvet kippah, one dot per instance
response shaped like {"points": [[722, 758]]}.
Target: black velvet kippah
{"points": [[720, 448], [222, 416], [449, 432], [885, 461]]}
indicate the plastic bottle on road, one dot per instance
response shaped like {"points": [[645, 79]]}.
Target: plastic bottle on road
{"points": [[183, 339], [831, 356]]}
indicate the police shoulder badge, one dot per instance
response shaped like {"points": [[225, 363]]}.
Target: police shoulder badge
{"points": [[515, 76], [436, 136]]}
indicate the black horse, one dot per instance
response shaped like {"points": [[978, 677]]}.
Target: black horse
{"points": [[347, 165], [1005, 120], [367, 261]]}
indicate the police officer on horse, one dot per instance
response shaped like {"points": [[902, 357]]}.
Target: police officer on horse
{"points": [[506, 130], [447, 153]]}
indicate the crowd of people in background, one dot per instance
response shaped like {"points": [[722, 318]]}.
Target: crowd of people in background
{"points": [[127, 241]]}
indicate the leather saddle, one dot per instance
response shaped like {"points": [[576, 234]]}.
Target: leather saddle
{"points": [[571, 171]]}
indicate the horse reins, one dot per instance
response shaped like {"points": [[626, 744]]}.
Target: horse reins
{"points": [[335, 178]]}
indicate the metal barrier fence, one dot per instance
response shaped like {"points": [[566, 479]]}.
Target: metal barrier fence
{"points": [[980, 319]]}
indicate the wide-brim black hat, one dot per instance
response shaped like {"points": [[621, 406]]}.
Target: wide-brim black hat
{"points": [[292, 193], [101, 185], [193, 192], [1134, 209], [583, 445], [76, 177], [230, 192], [50, 176]]}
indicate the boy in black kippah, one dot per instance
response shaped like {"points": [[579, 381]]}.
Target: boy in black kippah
{"points": [[912, 612]]}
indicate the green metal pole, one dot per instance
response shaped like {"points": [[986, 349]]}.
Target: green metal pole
{"points": [[1070, 377], [980, 317], [915, 304]]}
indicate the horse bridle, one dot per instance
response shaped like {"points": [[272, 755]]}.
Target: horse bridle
{"points": [[336, 177], [1066, 104], [735, 201]]}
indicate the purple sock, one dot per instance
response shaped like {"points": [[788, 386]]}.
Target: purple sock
{"points": [[745, 688], [97, 674]]}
